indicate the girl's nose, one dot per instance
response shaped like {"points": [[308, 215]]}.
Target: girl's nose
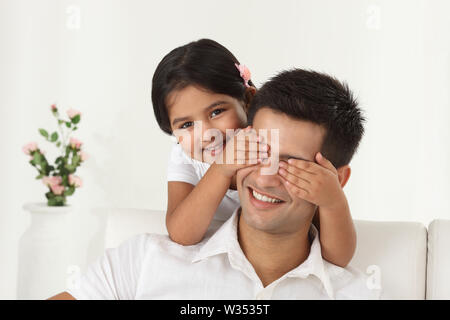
{"points": [[211, 134]]}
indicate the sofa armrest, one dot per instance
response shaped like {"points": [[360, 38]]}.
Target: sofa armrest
{"points": [[438, 264]]}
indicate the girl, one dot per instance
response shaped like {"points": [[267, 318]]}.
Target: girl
{"points": [[200, 95]]}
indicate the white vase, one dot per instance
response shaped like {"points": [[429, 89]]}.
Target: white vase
{"points": [[43, 252]]}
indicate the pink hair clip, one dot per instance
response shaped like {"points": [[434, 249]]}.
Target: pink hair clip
{"points": [[244, 73]]}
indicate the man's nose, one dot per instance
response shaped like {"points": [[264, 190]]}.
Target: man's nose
{"points": [[265, 179]]}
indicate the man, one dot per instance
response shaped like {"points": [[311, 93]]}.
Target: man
{"points": [[269, 248]]}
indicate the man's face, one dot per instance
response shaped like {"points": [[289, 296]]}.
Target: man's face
{"points": [[297, 139]]}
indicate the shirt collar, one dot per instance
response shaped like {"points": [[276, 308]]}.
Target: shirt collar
{"points": [[224, 240], [314, 264], [219, 242]]}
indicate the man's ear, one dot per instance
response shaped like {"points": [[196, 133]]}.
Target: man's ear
{"points": [[249, 94], [344, 174]]}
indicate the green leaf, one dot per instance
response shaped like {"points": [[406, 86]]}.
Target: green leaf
{"points": [[44, 161], [58, 144], [44, 168], [43, 132], [70, 168], [40, 176], [76, 160], [60, 121], [37, 158], [60, 199], [69, 191], [52, 202], [68, 124], [49, 195], [76, 119], [54, 137]]}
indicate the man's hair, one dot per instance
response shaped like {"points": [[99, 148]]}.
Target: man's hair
{"points": [[320, 99]]}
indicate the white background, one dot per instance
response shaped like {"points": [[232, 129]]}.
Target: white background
{"points": [[99, 57]]}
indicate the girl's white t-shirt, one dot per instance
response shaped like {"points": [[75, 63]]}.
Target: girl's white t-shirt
{"points": [[183, 168]]}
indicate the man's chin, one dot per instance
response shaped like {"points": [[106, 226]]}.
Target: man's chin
{"points": [[262, 214]]}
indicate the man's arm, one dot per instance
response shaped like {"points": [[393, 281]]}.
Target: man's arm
{"points": [[62, 296]]}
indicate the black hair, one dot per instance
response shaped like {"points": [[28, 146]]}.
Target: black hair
{"points": [[203, 63], [320, 99]]}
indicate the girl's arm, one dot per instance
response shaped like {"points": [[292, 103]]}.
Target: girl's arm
{"points": [[190, 209], [322, 184], [337, 234]]}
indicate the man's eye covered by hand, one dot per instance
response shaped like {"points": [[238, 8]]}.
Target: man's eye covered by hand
{"points": [[317, 183]]}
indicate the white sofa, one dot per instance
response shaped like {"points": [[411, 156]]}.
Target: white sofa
{"points": [[409, 260]]}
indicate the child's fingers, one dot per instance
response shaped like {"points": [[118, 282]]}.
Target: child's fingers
{"points": [[255, 157], [248, 133], [252, 146], [295, 180], [246, 144], [250, 155], [297, 171], [325, 162], [246, 137], [309, 166], [296, 190]]}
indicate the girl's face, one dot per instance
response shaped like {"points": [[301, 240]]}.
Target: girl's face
{"points": [[200, 119]]}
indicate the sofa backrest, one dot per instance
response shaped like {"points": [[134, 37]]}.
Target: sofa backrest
{"points": [[393, 253]]}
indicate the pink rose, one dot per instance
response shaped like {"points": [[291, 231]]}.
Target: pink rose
{"points": [[75, 180], [72, 113], [244, 72], [58, 190], [52, 181], [75, 144], [53, 107], [29, 147]]}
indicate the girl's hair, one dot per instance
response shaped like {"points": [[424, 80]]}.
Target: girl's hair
{"points": [[204, 63]]}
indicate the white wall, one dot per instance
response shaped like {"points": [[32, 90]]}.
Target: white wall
{"points": [[394, 55]]}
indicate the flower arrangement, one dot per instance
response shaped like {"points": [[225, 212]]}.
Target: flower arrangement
{"points": [[60, 178]]}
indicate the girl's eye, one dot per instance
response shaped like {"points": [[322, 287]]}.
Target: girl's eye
{"points": [[216, 112], [186, 125]]}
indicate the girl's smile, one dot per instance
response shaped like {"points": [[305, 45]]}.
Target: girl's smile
{"points": [[200, 118]]}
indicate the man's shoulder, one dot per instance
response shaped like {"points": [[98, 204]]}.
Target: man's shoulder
{"points": [[352, 283]]}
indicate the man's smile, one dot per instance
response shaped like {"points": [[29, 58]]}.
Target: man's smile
{"points": [[262, 200]]}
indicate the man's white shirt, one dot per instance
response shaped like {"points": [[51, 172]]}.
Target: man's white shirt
{"points": [[151, 266]]}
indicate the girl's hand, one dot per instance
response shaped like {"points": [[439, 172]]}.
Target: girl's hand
{"points": [[243, 149], [317, 183]]}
